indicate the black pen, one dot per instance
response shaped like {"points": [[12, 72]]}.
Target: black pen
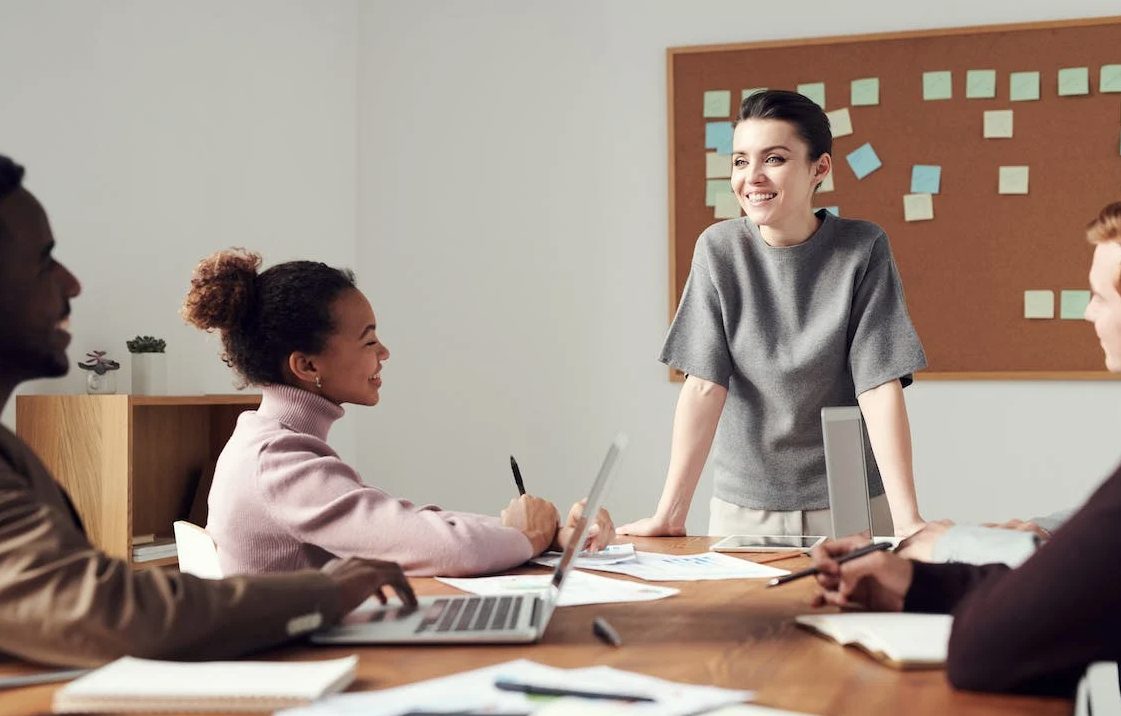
{"points": [[810, 571], [508, 685], [606, 632], [517, 475]]}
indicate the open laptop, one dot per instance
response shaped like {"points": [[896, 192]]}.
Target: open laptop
{"points": [[846, 471], [472, 618]]}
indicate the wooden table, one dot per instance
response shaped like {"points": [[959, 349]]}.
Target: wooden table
{"points": [[731, 633]]}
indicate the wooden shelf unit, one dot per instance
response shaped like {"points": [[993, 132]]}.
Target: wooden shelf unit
{"points": [[130, 463]]}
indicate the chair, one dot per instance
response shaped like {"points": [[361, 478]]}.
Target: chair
{"points": [[198, 555]]}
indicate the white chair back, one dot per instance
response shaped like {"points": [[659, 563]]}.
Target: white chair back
{"points": [[198, 555]]}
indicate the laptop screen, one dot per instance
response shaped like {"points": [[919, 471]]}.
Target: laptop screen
{"points": [[591, 507]]}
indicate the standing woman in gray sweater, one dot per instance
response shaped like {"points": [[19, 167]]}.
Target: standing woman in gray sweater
{"points": [[785, 312]]}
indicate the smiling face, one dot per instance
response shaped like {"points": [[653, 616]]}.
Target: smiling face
{"points": [[774, 178], [35, 293], [1104, 309], [349, 366]]}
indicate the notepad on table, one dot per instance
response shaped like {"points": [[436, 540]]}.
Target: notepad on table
{"points": [[130, 684], [904, 641]]}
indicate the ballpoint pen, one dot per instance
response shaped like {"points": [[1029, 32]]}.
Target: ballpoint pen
{"points": [[45, 677], [810, 571], [534, 690], [606, 632], [517, 475]]}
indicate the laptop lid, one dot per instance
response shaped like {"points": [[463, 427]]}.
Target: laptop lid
{"points": [[591, 507], [846, 472]]}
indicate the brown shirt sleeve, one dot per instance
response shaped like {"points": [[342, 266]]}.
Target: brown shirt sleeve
{"points": [[64, 602], [1034, 629]]}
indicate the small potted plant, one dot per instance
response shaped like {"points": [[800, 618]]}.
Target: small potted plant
{"points": [[100, 379], [149, 369]]}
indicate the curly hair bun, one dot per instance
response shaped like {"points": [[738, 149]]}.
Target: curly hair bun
{"points": [[222, 289]]}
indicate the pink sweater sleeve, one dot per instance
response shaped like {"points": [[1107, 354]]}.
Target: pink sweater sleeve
{"points": [[322, 501]]}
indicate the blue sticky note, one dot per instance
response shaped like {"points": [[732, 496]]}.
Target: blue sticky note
{"points": [[1072, 304], [718, 136], [863, 160], [834, 210], [926, 178], [937, 85]]}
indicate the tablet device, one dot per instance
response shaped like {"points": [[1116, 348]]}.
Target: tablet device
{"points": [[767, 543]]}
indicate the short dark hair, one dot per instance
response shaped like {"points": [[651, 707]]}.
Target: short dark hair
{"points": [[11, 179], [264, 317], [801, 111]]}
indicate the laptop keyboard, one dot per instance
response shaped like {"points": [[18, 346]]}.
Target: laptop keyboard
{"points": [[471, 614]]}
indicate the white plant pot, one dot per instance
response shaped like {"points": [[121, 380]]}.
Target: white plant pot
{"points": [[149, 373]]}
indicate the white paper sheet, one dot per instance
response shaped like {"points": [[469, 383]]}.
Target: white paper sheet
{"points": [[611, 554], [691, 567], [579, 588], [475, 691]]}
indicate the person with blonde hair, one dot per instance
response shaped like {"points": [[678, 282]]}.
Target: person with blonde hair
{"points": [[282, 498], [1037, 627]]}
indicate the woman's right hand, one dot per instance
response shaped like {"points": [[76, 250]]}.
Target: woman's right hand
{"points": [[655, 526], [536, 518]]}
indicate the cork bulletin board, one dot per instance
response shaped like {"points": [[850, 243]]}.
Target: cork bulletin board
{"points": [[993, 258]]}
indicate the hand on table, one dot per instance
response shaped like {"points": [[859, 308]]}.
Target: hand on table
{"points": [[655, 526], [356, 579]]}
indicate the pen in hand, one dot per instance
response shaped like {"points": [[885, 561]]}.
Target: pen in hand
{"points": [[517, 475], [810, 571]]}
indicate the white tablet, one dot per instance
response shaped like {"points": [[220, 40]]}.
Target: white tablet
{"points": [[767, 543]]}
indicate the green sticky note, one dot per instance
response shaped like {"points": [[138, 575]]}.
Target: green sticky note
{"points": [[1074, 81], [865, 92], [1039, 304], [750, 91], [937, 85], [815, 91], [718, 103], [1110, 80], [1072, 304], [726, 206], [715, 188], [1023, 86], [1012, 180], [980, 84], [718, 166]]}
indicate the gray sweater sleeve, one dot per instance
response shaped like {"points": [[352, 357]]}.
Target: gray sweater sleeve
{"points": [[973, 544]]}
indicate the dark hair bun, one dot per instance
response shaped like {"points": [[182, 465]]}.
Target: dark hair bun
{"points": [[222, 289]]}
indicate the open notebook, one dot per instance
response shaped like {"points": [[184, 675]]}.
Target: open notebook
{"points": [[130, 684], [905, 641]]}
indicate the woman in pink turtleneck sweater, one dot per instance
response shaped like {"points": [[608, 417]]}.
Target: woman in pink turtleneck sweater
{"points": [[282, 499]]}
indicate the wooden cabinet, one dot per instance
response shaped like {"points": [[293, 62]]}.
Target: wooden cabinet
{"points": [[130, 463]]}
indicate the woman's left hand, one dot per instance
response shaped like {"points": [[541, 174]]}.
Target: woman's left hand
{"points": [[600, 533]]}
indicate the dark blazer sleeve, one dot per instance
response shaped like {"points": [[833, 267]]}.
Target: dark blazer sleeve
{"points": [[1035, 629], [63, 602]]}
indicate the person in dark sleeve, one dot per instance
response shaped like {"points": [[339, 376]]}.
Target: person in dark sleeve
{"points": [[1036, 628], [61, 600]]}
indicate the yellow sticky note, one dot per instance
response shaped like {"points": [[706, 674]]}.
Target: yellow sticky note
{"points": [[1039, 304], [726, 207], [718, 103], [840, 121], [998, 124], [1013, 180], [826, 183], [718, 166], [918, 207]]}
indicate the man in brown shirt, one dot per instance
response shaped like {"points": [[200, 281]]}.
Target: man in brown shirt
{"points": [[1035, 628], [61, 600]]}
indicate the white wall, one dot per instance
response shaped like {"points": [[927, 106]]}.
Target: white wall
{"points": [[512, 237], [158, 132], [467, 158]]}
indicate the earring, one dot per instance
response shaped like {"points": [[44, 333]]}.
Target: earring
{"points": [[318, 382]]}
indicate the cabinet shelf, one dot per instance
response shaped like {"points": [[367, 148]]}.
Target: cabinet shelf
{"points": [[130, 463]]}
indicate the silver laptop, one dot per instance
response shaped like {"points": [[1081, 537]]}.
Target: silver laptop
{"points": [[846, 471], [472, 618]]}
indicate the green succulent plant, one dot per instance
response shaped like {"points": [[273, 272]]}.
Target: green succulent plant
{"points": [[146, 344]]}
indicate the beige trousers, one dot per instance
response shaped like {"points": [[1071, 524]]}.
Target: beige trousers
{"points": [[727, 519]]}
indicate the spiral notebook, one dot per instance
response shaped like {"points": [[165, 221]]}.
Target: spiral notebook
{"points": [[130, 684], [904, 641]]}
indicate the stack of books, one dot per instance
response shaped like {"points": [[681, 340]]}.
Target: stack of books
{"points": [[146, 548]]}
